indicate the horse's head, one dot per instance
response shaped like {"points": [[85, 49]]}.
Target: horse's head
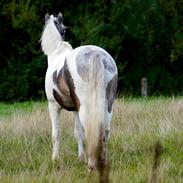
{"points": [[58, 22], [53, 36]]}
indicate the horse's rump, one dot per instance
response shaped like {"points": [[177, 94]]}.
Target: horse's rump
{"points": [[86, 54]]}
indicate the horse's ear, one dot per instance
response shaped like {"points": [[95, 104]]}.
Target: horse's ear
{"points": [[47, 16], [60, 17], [65, 27]]}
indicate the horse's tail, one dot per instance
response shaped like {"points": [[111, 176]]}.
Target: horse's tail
{"points": [[95, 108]]}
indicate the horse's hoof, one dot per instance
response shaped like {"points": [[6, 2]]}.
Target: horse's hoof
{"points": [[91, 169], [92, 165], [55, 157]]}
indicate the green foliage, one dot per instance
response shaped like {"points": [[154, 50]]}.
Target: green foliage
{"points": [[22, 63], [144, 37]]}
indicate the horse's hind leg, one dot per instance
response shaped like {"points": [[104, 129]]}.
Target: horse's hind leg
{"points": [[79, 135], [54, 110], [108, 125], [106, 136]]}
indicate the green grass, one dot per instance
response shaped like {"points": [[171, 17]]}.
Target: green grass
{"points": [[25, 143]]}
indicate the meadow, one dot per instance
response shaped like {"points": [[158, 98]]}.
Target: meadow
{"points": [[137, 125]]}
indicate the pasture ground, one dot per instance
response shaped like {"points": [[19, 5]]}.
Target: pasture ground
{"points": [[137, 125]]}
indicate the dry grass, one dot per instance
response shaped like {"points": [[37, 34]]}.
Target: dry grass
{"points": [[138, 124]]}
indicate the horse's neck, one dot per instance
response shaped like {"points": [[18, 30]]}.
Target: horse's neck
{"points": [[64, 47], [59, 54]]}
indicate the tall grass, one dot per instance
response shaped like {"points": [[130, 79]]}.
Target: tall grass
{"points": [[137, 125]]}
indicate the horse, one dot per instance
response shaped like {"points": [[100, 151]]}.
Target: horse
{"points": [[82, 80]]}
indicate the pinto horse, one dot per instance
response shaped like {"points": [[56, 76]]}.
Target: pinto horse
{"points": [[82, 80]]}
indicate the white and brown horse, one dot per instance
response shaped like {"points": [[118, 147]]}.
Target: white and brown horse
{"points": [[82, 80]]}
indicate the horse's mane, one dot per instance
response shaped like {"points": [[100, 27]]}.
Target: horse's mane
{"points": [[51, 40]]}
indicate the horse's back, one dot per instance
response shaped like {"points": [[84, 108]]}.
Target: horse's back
{"points": [[81, 57]]}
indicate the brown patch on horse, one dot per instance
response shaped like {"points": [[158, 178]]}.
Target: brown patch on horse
{"points": [[67, 97], [111, 92], [102, 162], [71, 86], [59, 99]]}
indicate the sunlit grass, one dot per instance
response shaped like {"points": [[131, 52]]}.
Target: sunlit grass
{"points": [[25, 143]]}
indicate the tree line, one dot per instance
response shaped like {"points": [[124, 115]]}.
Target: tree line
{"points": [[145, 37]]}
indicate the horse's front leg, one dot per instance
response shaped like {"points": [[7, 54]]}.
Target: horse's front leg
{"points": [[79, 135], [54, 110]]}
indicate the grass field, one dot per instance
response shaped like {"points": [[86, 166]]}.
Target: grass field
{"points": [[138, 124]]}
